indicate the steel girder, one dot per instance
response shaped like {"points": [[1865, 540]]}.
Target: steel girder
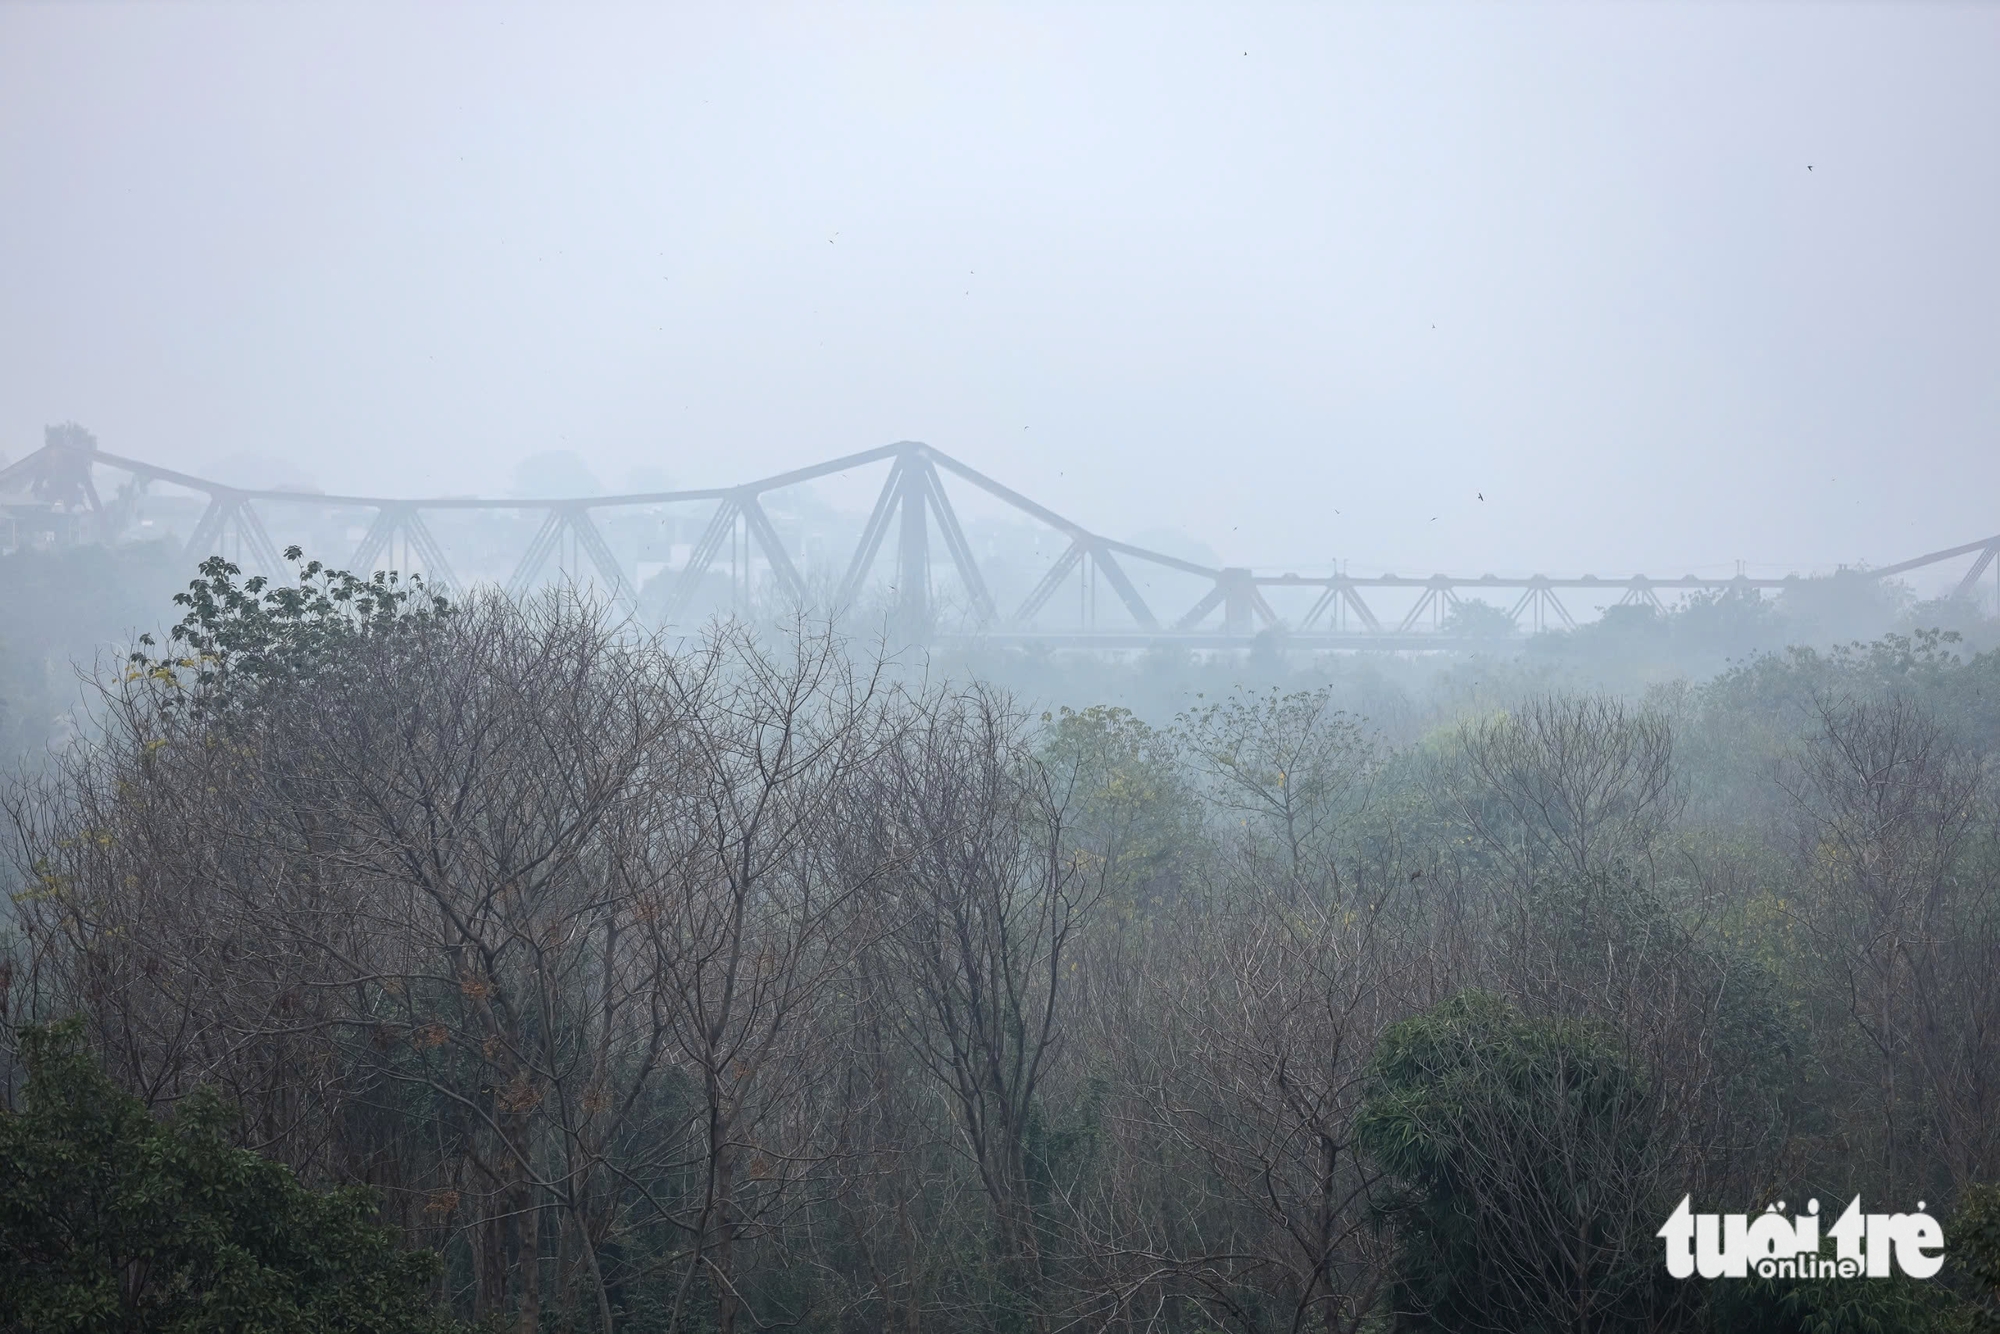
{"points": [[1340, 594], [914, 500], [914, 495], [572, 520], [1538, 601], [1045, 589], [1971, 580], [408, 521], [230, 512]]}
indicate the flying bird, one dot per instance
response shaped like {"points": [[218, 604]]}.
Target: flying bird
{"points": [[1482, 495]]}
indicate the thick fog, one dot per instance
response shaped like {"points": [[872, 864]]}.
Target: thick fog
{"points": [[727, 910], [1671, 287]]}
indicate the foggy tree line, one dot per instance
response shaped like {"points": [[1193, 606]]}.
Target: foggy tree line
{"points": [[756, 982]]}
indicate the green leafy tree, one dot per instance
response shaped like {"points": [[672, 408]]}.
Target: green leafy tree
{"points": [[113, 1220], [1974, 1250], [1528, 1176], [1125, 804], [1477, 619], [238, 640], [1898, 1305], [1292, 769]]}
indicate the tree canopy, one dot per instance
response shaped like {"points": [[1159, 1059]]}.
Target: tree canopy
{"points": [[114, 1220]]}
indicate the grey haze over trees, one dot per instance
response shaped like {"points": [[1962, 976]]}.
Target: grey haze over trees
{"points": [[62, 610], [764, 973], [713, 984]]}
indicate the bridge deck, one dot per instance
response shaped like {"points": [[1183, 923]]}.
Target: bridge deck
{"points": [[64, 503]]}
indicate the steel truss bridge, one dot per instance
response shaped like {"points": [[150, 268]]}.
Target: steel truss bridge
{"points": [[58, 496]]}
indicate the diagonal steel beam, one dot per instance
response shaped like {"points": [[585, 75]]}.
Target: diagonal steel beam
{"points": [[1050, 582], [1521, 604], [1539, 597], [594, 546], [408, 520], [1931, 558], [29, 466], [960, 549], [1971, 580], [1321, 604], [227, 510], [872, 534], [1209, 602], [1430, 601], [759, 524], [376, 540], [1341, 590], [1057, 521], [250, 530], [537, 555], [437, 570], [681, 596], [206, 539], [1361, 609], [1416, 613], [1639, 592], [1120, 584]]}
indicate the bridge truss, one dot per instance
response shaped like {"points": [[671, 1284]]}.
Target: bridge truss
{"points": [[58, 495]]}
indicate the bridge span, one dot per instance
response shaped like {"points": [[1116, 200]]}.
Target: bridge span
{"points": [[741, 554]]}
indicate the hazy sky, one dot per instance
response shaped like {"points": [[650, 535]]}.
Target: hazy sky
{"points": [[1229, 269]]}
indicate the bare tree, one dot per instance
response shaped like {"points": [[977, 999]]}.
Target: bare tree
{"points": [[518, 920], [1569, 784], [751, 925], [983, 910], [1239, 1021], [1292, 768], [1888, 806]]}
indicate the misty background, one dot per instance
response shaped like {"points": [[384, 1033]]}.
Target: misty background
{"points": [[672, 939], [1672, 286]]}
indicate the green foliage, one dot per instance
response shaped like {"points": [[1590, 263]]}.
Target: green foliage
{"points": [[1125, 806], [1727, 619], [113, 1220], [239, 640], [1521, 1150], [1898, 1305], [1477, 619], [1974, 1252], [1061, 1154], [1289, 765], [1708, 630], [1846, 605]]}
